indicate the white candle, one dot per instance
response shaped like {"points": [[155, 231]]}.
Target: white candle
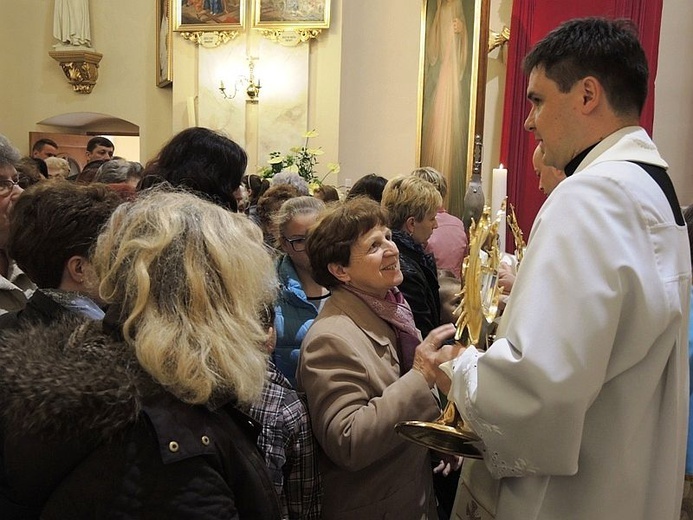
{"points": [[499, 190]]}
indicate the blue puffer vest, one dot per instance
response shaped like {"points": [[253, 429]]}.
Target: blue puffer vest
{"points": [[295, 315]]}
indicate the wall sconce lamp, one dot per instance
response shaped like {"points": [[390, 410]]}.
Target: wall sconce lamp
{"points": [[251, 84]]}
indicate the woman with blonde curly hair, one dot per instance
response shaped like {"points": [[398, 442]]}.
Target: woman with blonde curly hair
{"points": [[144, 406]]}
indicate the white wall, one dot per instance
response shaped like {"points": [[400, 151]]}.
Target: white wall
{"points": [[673, 121], [362, 86], [380, 87], [380, 67], [34, 88]]}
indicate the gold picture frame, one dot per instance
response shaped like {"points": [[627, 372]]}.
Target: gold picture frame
{"points": [[452, 87], [209, 15], [164, 44], [291, 14]]}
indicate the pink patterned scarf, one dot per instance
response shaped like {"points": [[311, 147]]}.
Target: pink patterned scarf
{"points": [[395, 310]]}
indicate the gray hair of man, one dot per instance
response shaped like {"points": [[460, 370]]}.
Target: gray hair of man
{"points": [[117, 171], [9, 155]]}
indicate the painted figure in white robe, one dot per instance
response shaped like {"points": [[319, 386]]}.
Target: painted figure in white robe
{"points": [[163, 43], [71, 22], [582, 400], [443, 141]]}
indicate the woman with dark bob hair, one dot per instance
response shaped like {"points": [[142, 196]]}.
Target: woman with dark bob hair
{"points": [[203, 161], [364, 368], [370, 185], [137, 415]]}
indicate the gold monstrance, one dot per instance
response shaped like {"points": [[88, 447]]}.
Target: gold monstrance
{"points": [[477, 311]]}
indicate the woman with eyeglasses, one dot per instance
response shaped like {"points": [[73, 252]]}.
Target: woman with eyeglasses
{"points": [[15, 286], [301, 297]]}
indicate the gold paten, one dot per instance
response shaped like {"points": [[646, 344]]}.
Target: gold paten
{"points": [[477, 311], [81, 68]]}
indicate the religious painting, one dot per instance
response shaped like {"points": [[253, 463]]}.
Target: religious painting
{"points": [[209, 15], [314, 14], [453, 82], [164, 44]]}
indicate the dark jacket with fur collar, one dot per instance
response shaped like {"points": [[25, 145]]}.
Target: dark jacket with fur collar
{"points": [[88, 434], [420, 285]]}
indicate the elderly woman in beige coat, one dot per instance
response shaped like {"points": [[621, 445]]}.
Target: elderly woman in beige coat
{"points": [[364, 368]]}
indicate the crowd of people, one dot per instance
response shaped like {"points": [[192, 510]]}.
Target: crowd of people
{"points": [[185, 340]]}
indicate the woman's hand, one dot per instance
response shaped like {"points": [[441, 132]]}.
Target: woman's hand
{"points": [[432, 352], [506, 277], [447, 463]]}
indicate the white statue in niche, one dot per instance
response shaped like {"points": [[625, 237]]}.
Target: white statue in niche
{"points": [[71, 23]]}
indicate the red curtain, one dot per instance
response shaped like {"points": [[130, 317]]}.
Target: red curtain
{"points": [[531, 20]]}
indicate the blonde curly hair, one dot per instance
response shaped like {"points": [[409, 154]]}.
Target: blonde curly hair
{"points": [[409, 196], [191, 280]]}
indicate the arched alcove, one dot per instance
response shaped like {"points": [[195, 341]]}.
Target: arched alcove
{"points": [[71, 131]]}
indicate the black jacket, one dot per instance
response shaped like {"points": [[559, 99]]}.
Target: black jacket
{"points": [[420, 286], [40, 308], [88, 434]]}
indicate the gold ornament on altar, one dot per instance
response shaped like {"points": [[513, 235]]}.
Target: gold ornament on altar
{"points": [[476, 313], [520, 245]]}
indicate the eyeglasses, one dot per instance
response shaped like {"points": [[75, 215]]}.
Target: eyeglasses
{"points": [[298, 244], [7, 186]]}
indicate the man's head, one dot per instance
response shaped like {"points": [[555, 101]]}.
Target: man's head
{"points": [[549, 177], [44, 148], [99, 148], [587, 79]]}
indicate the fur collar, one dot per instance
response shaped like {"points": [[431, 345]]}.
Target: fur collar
{"points": [[69, 377]]}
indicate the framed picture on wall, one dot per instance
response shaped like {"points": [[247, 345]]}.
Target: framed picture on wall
{"points": [[208, 15], [164, 44], [453, 82], [313, 14]]}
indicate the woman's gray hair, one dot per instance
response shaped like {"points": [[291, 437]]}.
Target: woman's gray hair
{"points": [[292, 179], [118, 170], [9, 155]]}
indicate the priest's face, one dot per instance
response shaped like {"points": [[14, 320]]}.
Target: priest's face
{"points": [[554, 118]]}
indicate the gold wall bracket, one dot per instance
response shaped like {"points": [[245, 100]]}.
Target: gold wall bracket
{"points": [[81, 68], [290, 37], [210, 39], [496, 40]]}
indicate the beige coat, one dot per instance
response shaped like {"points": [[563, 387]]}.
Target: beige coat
{"points": [[15, 290], [350, 372]]}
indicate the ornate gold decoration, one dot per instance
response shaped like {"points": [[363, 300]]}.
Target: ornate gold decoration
{"points": [[209, 39], [481, 292], [290, 37], [477, 310], [81, 68], [496, 40], [520, 245]]}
